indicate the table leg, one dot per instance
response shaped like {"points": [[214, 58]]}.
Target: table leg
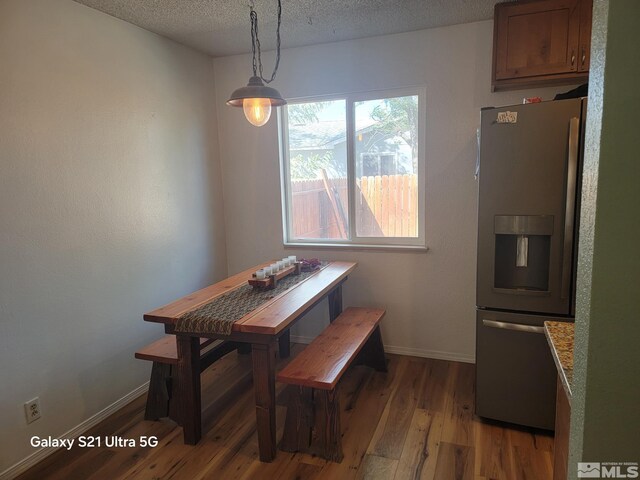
{"points": [[284, 344], [335, 303], [264, 382], [189, 387]]}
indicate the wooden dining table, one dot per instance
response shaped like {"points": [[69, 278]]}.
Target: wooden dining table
{"points": [[263, 330]]}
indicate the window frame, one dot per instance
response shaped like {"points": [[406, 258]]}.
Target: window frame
{"points": [[353, 240]]}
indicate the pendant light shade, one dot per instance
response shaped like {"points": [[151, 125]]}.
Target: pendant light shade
{"points": [[256, 99]]}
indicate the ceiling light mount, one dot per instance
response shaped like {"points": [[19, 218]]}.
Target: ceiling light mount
{"points": [[256, 98]]}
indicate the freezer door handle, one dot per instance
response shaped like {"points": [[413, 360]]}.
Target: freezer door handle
{"points": [[518, 327], [570, 206]]}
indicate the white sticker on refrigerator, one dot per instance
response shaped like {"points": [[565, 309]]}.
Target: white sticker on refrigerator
{"points": [[507, 117]]}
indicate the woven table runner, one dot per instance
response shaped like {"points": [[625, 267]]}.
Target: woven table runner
{"points": [[219, 315]]}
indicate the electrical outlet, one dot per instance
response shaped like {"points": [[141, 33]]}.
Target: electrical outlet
{"points": [[32, 410]]}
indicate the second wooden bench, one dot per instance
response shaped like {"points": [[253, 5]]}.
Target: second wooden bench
{"points": [[313, 412]]}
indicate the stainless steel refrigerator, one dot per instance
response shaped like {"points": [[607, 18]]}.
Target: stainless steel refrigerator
{"points": [[529, 184]]}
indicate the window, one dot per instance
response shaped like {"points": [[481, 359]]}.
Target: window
{"points": [[353, 169], [378, 164]]}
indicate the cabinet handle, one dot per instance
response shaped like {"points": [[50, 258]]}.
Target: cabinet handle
{"points": [[570, 206], [584, 55], [573, 57], [512, 326]]}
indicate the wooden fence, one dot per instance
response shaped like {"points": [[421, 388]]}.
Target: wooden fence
{"points": [[312, 212], [386, 206]]}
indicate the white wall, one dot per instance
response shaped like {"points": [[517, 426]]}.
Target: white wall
{"points": [[429, 297], [110, 205]]}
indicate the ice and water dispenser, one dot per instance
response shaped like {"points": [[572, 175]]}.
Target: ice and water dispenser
{"points": [[522, 253]]}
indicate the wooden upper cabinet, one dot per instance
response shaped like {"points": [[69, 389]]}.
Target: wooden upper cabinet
{"points": [[585, 35], [541, 42]]}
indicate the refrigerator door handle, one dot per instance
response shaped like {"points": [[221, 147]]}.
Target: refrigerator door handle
{"points": [[518, 327], [570, 206]]}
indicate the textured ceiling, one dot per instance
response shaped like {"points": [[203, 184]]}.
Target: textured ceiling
{"points": [[221, 27]]}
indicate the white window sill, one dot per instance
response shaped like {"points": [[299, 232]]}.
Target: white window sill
{"points": [[357, 246]]}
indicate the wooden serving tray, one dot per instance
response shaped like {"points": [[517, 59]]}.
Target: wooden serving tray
{"points": [[272, 280]]}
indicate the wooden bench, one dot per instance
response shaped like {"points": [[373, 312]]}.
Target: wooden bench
{"points": [[164, 355], [313, 412]]}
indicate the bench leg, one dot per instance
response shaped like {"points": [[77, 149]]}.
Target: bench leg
{"points": [[299, 421], [284, 344], [159, 394], [327, 425], [372, 353]]}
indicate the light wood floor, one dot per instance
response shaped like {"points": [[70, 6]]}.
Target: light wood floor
{"points": [[414, 422]]}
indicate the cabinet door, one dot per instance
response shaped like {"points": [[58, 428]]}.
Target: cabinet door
{"points": [[536, 38], [586, 7]]}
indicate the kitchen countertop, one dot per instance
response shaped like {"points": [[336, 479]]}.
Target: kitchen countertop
{"points": [[560, 338]]}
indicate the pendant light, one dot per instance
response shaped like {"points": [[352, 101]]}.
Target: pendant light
{"points": [[256, 99]]}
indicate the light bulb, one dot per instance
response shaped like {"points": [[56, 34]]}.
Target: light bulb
{"points": [[257, 110]]}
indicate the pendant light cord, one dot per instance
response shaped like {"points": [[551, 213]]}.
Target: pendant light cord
{"points": [[255, 44]]}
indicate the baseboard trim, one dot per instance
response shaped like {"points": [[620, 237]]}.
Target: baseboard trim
{"points": [[39, 455], [411, 352], [435, 354]]}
